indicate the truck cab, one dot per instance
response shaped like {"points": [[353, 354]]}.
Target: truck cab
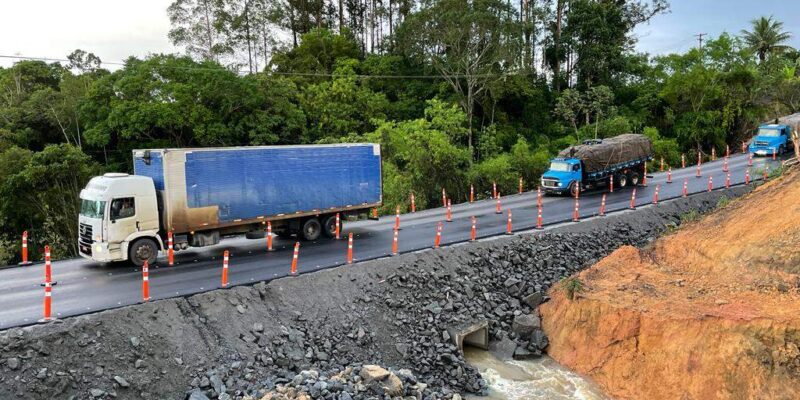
{"points": [[770, 139], [563, 176], [119, 219]]}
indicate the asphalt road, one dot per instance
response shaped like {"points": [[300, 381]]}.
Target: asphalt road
{"points": [[84, 286]]}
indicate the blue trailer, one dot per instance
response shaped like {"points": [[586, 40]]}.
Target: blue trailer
{"points": [[202, 194]]}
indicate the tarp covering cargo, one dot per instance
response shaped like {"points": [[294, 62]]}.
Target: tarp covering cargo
{"points": [[610, 151]]}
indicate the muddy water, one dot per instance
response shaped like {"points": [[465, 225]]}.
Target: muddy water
{"points": [[530, 379]]}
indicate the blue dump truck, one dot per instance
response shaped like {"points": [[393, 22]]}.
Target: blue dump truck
{"points": [[202, 194], [594, 163], [773, 138]]}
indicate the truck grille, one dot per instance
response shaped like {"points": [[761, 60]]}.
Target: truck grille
{"points": [[550, 183], [85, 233], [761, 144]]}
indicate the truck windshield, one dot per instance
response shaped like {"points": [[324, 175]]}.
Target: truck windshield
{"points": [[560, 166], [769, 132], [92, 208]]}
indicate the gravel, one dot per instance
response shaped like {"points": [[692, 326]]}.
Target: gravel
{"points": [[315, 335]]}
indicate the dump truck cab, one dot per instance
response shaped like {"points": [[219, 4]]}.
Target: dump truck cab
{"points": [[771, 139], [118, 218], [563, 176]]}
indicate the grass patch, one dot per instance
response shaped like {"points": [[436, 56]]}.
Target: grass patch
{"points": [[690, 216], [571, 286], [723, 202]]}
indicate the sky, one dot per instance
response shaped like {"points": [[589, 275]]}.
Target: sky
{"points": [[116, 29]]}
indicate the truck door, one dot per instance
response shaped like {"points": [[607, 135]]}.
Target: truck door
{"points": [[122, 219]]}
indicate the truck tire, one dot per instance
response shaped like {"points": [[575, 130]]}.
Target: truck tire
{"points": [[311, 229], [329, 226], [141, 250], [573, 188], [621, 180], [633, 178]]}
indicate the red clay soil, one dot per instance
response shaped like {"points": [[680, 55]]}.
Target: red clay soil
{"points": [[709, 312]]}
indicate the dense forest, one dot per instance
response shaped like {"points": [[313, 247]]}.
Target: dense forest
{"points": [[456, 92]]}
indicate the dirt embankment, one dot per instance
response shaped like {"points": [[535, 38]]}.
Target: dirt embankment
{"points": [[710, 312], [255, 340]]}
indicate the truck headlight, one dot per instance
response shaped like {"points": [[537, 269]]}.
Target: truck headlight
{"points": [[98, 248]]}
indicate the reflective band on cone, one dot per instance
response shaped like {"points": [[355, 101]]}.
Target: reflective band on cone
{"points": [[438, 239], [765, 174], [449, 214], [744, 147], [683, 161], [293, 271], [747, 177], [698, 174], [728, 180], [774, 153], [538, 196], [444, 198], [611, 183], [509, 229], [727, 151], [633, 199], [498, 210], [225, 256], [350, 248], [710, 183], [661, 169], [713, 153], [644, 175], [750, 160], [375, 212], [473, 233], [655, 194], [669, 175], [603, 206], [494, 190], [413, 204], [394, 243], [471, 193], [725, 165], [170, 250], [25, 260], [145, 281], [520, 185], [685, 187], [269, 233]]}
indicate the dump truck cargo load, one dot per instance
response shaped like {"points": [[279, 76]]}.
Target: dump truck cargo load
{"points": [[207, 188], [606, 153]]}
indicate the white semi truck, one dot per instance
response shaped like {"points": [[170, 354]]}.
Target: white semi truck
{"points": [[202, 194]]}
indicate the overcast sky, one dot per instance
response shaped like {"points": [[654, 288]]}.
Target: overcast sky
{"points": [[116, 29]]}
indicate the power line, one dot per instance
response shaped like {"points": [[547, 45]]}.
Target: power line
{"points": [[299, 74], [700, 39]]}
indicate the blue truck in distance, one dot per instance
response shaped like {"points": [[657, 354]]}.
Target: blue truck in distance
{"points": [[595, 162], [202, 194], [771, 139]]}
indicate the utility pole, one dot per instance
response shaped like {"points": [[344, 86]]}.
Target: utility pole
{"points": [[700, 40]]}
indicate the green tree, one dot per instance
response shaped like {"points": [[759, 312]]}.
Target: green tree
{"points": [[766, 37], [466, 43], [568, 107]]}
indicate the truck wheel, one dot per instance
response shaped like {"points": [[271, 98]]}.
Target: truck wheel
{"points": [[574, 188], [311, 229], [633, 178], [143, 250], [329, 226], [622, 180]]}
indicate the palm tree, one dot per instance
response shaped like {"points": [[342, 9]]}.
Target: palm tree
{"points": [[766, 37]]}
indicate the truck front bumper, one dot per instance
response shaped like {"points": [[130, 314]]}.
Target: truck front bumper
{"points": [[762, 151], [97, 251]]}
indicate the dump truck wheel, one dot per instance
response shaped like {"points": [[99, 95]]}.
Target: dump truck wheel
{"points": [[621, 180], [574, 188]]}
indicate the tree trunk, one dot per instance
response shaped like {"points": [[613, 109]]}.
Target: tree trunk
{"points": [[247, 32], [557, 45], [341, 17]]}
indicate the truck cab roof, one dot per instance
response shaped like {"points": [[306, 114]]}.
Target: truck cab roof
{"points": [[116, 185]]}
